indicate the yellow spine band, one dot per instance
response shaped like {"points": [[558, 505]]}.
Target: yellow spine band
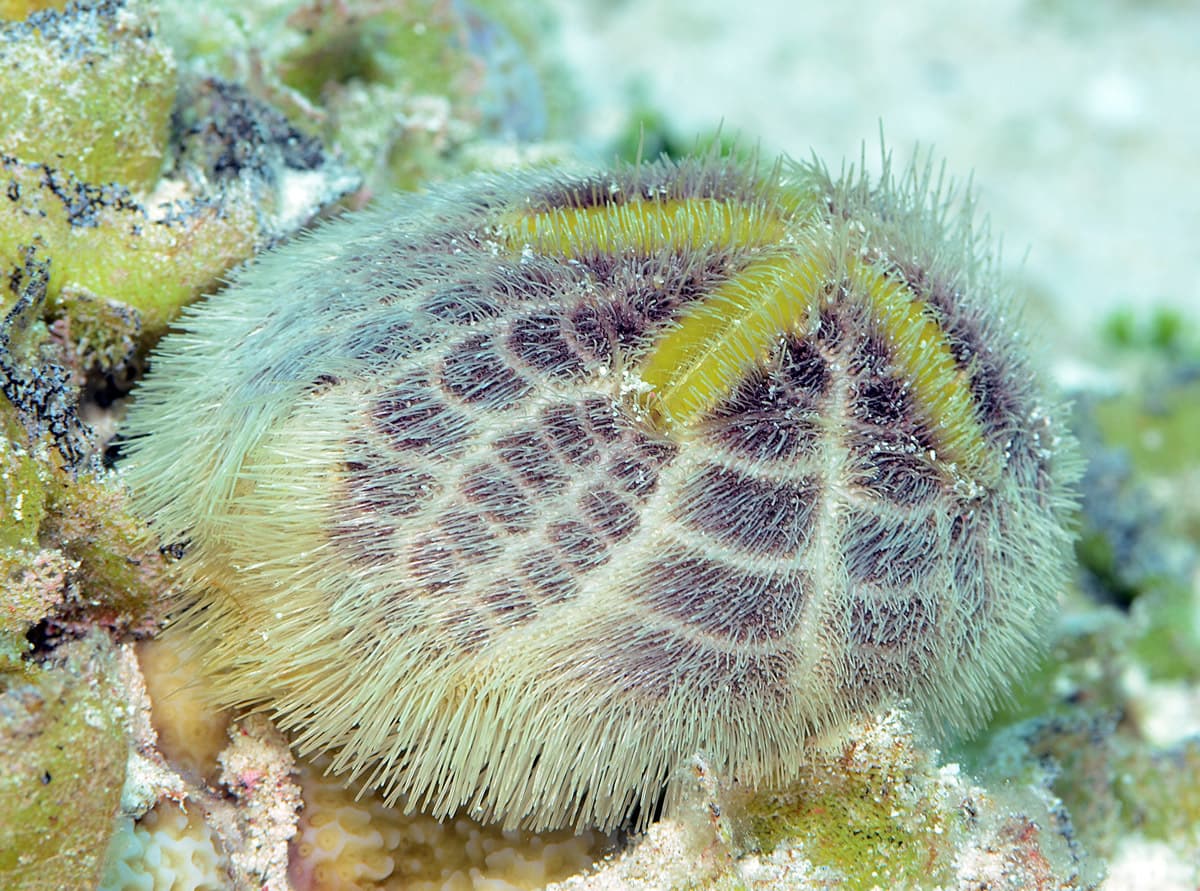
{"points": [[709, 349], [922, 354], [643, 227]]}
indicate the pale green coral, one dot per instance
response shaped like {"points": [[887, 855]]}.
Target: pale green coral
{"points": [[169, 849], [32, 582], [22, 491], [63, 752]]}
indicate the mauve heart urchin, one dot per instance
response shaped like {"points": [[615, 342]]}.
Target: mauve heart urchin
{"points": [[515, 495]]}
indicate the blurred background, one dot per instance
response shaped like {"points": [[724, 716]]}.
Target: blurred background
{"points": [[1080, 121]]}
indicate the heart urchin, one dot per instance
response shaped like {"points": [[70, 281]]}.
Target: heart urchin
{"points": [[515, 495]]}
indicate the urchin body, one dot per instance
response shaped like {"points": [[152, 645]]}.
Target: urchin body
{"points": [[516, 495]]}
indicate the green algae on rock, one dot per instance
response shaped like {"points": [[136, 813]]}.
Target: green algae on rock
{"points": [[187, 179], [883, 813], [69, 548], [515, 495], [90, 88], [102, 246], [15, 10], [63, 751], [879, 812], [410, 92]]}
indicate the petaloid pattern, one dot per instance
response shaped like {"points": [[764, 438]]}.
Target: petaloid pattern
{"points": [[516, 495]]}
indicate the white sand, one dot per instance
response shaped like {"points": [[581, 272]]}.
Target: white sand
{"points": [[1080, 120]]}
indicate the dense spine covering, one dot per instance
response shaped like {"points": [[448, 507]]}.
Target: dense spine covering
{"points": [[516, 495]]}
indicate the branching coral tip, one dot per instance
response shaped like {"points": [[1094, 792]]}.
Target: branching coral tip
{"points": [[515, 495]]}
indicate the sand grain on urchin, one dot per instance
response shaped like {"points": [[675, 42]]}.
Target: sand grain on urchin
{"points": [[515, 495]]}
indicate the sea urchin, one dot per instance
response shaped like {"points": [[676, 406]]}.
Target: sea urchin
{"points": [[515, 495]]}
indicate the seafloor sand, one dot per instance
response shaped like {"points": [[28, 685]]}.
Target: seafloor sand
{"points": [[1080, 120]]}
